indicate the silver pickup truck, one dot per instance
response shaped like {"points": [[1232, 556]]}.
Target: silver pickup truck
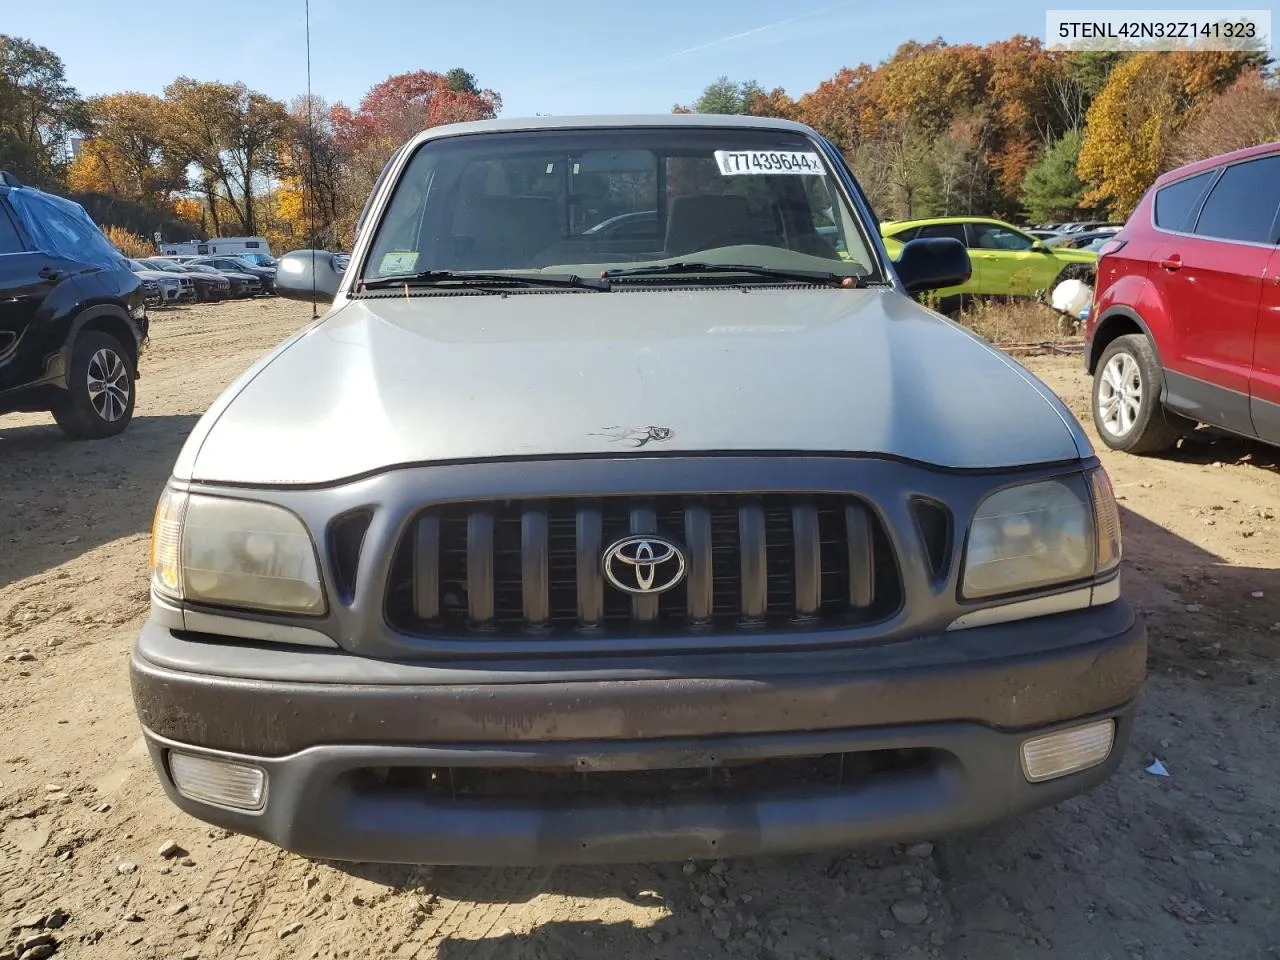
{"points": [[625, 506]]}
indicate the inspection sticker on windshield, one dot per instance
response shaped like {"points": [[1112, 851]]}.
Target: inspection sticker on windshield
{"points": [[398, 261], [735, 162]]}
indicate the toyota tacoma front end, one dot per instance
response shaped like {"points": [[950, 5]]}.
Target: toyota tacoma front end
{"points": [[624, 506]]}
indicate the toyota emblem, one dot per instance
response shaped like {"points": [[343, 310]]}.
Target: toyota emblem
{"points": [[644, 564]]}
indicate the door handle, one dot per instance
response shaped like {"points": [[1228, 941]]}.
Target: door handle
{"points": [[1172, 263], [49, 273]]}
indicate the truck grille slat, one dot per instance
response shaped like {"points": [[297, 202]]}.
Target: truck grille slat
{"points": [[479, 587], [861, 570], [588, 545], [808, 561], [699, 585], [786, 561], [753, 562], [535, 568], [426, 568]]}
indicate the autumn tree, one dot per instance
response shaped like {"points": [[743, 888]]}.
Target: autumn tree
{"points": [[929, 83], [915, 129], [1133, 122], [308, 202], [1021, 92], [402, 105], [389, 114], [38, 112], [233, 136], [196, 134], [835, 107], [126, 153], [1245, 114], [94, 170], [189, 210]]}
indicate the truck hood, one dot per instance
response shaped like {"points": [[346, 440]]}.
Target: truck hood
{"points": [[391, 381]]}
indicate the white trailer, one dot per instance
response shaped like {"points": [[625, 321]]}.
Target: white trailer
{"points": [[222, 245]]}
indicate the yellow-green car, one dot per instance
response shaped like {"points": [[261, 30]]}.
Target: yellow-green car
{"points": [[1006, 262]]}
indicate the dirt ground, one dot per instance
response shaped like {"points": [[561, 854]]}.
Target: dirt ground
{"points": [[1144, 867]]}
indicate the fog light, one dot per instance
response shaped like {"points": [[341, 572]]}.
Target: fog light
{"points": [[1057, 754], [224, 782]]}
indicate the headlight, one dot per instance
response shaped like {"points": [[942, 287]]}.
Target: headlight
{"points": [[234, 553], [1039, 534]]}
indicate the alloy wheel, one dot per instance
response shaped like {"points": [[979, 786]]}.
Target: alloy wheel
{"points": [[108, 385], [1120, 394]]}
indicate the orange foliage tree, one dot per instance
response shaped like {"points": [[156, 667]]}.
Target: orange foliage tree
{"points": [[1244, 115], [1133, 123]]}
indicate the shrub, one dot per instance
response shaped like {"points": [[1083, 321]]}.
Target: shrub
{"points": [[1018, 321], [130, 244]]}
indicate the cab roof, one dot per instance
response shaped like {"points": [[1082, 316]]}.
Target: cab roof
{"points": [[511, 124]]}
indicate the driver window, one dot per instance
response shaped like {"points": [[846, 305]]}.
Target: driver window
{"points": [[990, 236]]}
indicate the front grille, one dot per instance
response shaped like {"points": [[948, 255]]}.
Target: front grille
{"points": [[535, 567]]}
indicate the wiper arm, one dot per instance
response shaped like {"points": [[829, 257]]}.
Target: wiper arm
{"points": [[693, 268], [482, 278]]}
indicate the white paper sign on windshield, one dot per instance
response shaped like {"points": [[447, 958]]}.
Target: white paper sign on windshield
{"points": [[734, 163]]}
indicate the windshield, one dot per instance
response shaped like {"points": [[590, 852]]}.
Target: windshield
{"points": [[581, 201], [161, 264]]}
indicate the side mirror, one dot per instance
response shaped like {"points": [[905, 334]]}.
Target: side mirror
{"points": [[302, 271], [932, 263], [1039, 246]]}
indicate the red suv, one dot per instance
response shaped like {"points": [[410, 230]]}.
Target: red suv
{"points": [[1185, 324]]}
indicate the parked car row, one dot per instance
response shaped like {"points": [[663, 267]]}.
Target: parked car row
{"points": [[177, 279], [1076, 226], [1083, 240]]}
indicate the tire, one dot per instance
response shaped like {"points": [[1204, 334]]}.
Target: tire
{"points": [[98, 362], [1127, 412]]}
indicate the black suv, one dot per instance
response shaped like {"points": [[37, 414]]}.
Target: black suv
{"points": [[72, 316]]}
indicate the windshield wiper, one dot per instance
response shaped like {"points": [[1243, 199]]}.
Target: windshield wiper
{"points": [[482, 278], [694, 268]]}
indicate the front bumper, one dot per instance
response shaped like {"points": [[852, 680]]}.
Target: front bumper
{"points": [[318, 740]]}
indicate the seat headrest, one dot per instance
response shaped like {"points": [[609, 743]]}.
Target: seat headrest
{"points": [[704, 221]]}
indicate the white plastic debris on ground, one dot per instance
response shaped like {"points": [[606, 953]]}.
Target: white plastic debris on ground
{"points": [[1072, 297]]}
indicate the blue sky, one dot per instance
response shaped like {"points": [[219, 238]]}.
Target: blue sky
{"points": [[552, 56]]}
